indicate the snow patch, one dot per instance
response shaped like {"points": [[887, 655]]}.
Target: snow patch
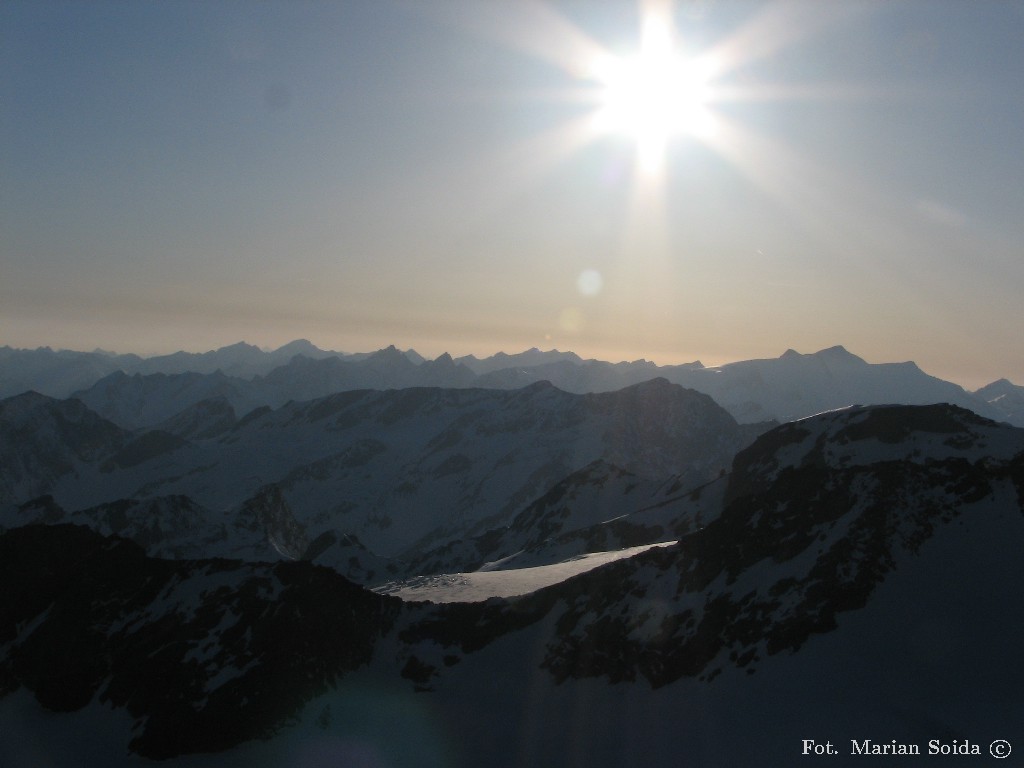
{"points": [[484, 584]]}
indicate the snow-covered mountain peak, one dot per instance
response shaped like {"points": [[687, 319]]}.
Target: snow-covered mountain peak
{"points": [[949, 429], [866, 435], [390, 466], [1005, 397], [997, 389], [1001, 384]]}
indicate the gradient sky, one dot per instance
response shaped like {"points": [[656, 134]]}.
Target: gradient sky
{"points": [[185, 175]]}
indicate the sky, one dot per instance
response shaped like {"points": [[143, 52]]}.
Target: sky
{"points": [[709, 180]]}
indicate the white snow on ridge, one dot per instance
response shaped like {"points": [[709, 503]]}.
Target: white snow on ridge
{"points": [[483, 584]]}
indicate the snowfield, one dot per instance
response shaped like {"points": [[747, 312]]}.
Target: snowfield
{"points": [[487, 583], [855, 577]]}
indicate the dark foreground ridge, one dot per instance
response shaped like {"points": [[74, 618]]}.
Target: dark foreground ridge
{"points": [[206, 654]]}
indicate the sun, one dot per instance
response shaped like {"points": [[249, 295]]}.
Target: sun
{"points": [[654, 94]]}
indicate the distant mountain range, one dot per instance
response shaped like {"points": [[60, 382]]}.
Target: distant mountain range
{"points": [[851, 576], [141, 392]]}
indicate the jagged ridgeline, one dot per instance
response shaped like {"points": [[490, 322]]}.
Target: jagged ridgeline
{"points": [[141, 392], [680, 587], [402, 471]]}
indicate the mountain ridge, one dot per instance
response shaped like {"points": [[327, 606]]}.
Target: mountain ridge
{"points": [[860, 563], [790, 386], [401, 468]]}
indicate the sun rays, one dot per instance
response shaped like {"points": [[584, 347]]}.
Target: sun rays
{"points": [[669, 103], [654, 94]]}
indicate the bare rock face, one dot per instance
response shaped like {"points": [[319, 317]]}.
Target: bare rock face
{"points": [[268, 514]]}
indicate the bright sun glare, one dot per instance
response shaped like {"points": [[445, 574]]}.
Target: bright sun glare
{"points": [[654, 95]]}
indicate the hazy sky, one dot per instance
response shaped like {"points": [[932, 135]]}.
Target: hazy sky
{"points": [[432, 175]]}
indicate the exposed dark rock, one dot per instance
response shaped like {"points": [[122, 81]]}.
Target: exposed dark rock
{"points": [[205, 654]]}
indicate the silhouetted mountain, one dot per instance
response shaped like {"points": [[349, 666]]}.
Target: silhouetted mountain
{"points": [[531, 358], [55, 374], [1006, 398], [791, 386], [796, 385]]}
